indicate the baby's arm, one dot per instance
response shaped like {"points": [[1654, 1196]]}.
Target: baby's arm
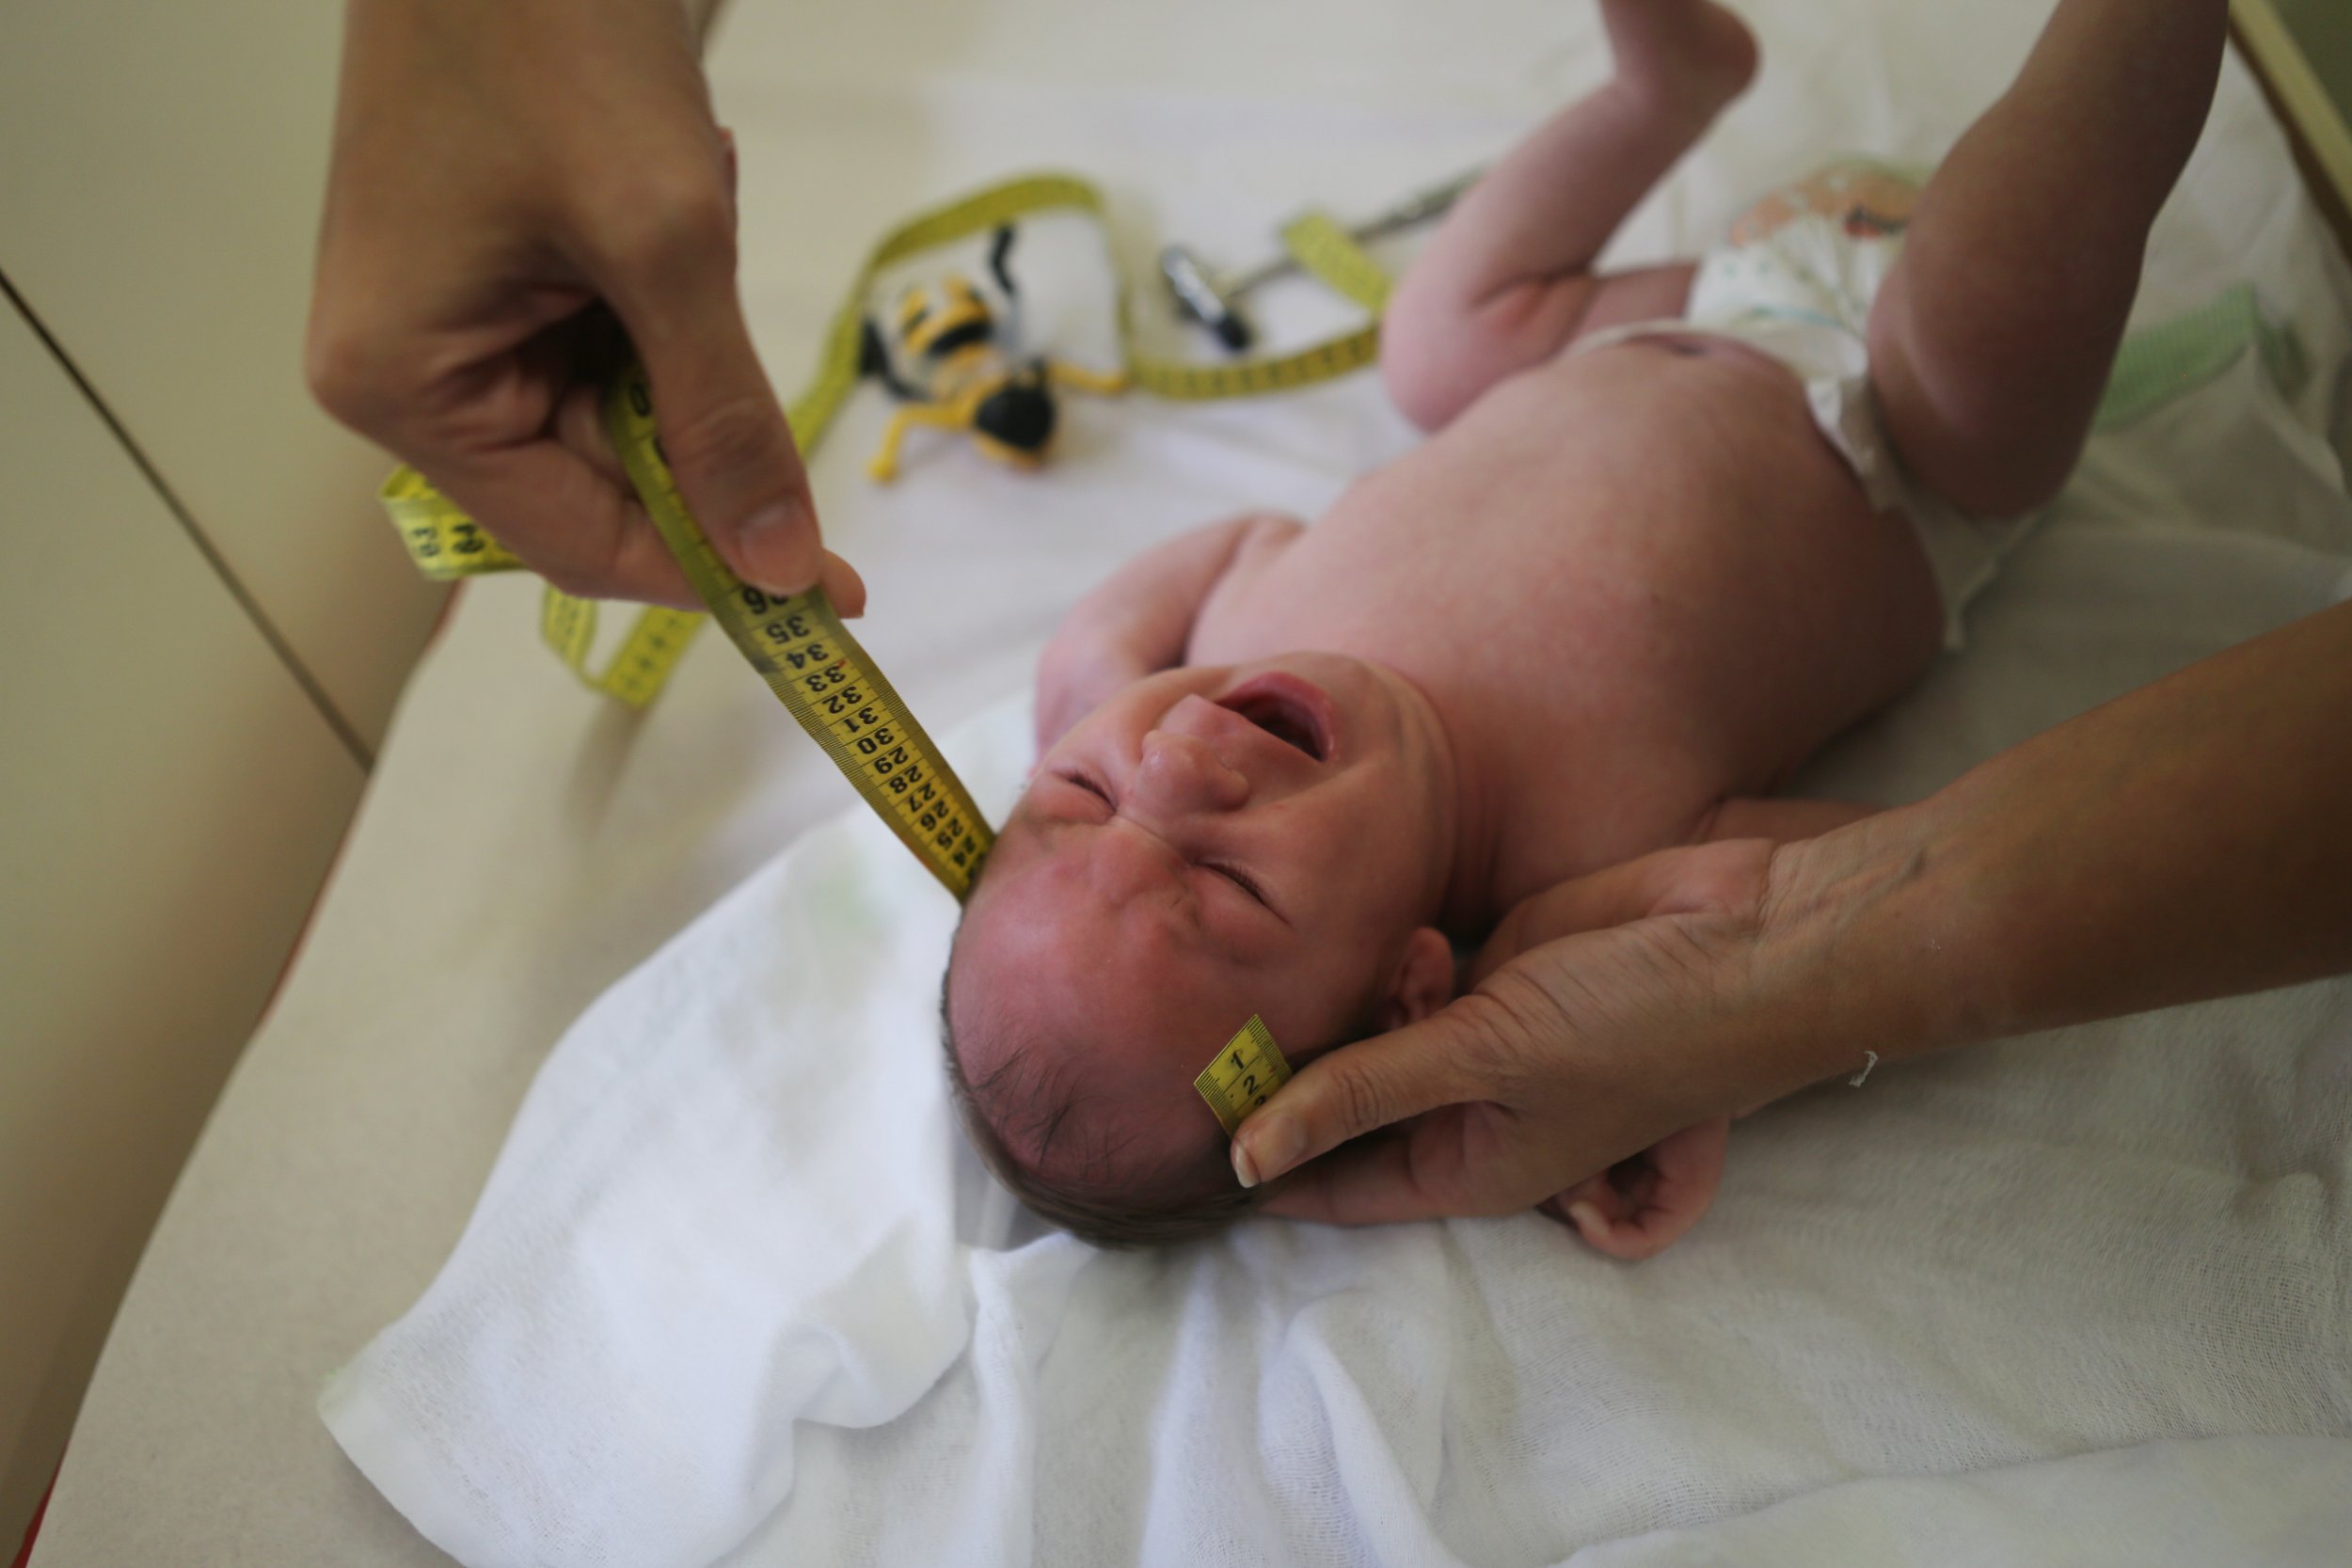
{"points": [[1507, 278], [1639, 1206], [1139, 620]]}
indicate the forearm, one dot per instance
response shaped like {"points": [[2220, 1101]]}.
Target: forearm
{"points": [[2191, 840]]}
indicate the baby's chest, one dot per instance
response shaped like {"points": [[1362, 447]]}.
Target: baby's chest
{"points": [[1515, 570], [1618, 514]]}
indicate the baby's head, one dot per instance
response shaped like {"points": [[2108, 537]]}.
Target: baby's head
{"points": [[1209, 843]]}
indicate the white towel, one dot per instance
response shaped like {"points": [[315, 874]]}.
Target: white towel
{"points": [[734, 1285], [727, 1205]]}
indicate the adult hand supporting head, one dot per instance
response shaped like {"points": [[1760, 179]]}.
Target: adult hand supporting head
{"points": [[513, 187], [2185, 841], [1648, 1017]]}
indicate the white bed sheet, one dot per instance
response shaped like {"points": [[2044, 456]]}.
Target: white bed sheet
{"points": [[523, 846]]}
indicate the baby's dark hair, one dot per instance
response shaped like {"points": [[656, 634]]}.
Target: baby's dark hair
{"points": [[1182, 1200]]}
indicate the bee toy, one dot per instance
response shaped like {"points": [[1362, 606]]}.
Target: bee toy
{"points": [[951, 364]]}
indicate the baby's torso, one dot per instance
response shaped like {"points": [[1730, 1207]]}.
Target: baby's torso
{"points": [[1632, 582]]}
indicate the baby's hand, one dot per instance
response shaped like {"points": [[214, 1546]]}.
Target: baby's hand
{"points": [[1071, 685], [1639, 1206]]}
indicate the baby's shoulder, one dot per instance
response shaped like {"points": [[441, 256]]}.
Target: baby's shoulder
{"points": [[1264, 538], [1266, 534]]}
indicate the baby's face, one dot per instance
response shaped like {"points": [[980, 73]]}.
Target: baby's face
{"points": [[1209, 844]]}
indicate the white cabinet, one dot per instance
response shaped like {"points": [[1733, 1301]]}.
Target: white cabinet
{"points": [[170, 799], [200, 656]]}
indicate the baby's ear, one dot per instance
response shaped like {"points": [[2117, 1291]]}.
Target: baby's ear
{"points": [[1424, 979]]}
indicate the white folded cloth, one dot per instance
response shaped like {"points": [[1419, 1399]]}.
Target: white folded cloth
{"points": [[725, 1207]]}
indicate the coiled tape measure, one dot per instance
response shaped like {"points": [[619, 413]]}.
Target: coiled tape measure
{"points": [[798, 645], [445, 544]]}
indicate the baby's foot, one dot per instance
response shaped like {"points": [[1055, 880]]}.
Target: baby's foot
{"points": [[1686, 57], [1638, 1208]]}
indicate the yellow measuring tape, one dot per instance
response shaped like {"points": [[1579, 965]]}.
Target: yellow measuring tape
{"points": [[799, 645], [445, 544], [1245, 1074], [814, 666]]}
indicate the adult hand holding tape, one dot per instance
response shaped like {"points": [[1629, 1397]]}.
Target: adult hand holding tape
{"points": [[491, 228]]}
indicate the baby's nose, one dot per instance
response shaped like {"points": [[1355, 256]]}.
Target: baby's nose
{"points": [[1179, 772]]}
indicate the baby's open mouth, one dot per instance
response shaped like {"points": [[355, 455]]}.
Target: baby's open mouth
{"points": [[1282, 714]]}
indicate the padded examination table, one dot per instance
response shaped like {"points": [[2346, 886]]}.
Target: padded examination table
{"points": [[523, 844]]}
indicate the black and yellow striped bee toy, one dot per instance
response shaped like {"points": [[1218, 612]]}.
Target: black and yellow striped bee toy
{"points": [[949, 361]]}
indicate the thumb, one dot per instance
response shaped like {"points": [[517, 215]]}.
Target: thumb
{"points": [[722, 429], [1353, 1090]]}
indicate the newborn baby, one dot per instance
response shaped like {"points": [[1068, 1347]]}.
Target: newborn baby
{"points": [[1658, 548]]}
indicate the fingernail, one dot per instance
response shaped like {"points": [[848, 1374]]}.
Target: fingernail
{"points": [[1586, 1218], [1243, 1172], [779, 550]]}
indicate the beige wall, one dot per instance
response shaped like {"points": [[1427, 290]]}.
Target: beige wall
{"points": [[200, 656], [160, 172]]}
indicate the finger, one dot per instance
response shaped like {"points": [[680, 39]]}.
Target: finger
{"points": [[1688, 1171], [1356, 1089], [1632, 1239], [567, 522], [1418, 1173], [1591, 1209], [1643, 1206], [580, 427], [1372, 1183], [722, 427], [844, 587]]}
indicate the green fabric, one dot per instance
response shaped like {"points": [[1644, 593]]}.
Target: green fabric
{"points": [[2159, 363]]}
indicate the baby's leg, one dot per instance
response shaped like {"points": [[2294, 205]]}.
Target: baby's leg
{"points": [[1505, 280], [1991, 340]]}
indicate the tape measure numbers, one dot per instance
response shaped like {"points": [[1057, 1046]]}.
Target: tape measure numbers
{"points": [[443, 542], [814, 666], [1243, 1076]]}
